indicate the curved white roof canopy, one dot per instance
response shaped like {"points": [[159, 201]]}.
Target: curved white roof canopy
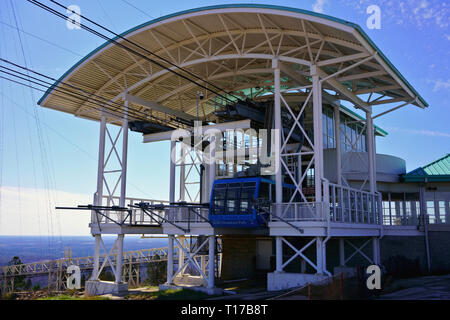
{"points": [[232, 46]]}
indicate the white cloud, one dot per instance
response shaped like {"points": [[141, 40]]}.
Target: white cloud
{"points": [[420, 132], [27, 211], [318, 6], [412, 12], [439, 85]]}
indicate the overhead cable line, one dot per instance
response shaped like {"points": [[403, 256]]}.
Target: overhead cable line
{"points": [[112, 107], [160, 64]]}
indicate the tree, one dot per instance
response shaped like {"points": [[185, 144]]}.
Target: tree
{"points": [[19, 281]]}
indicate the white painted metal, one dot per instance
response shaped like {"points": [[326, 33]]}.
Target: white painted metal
{"points": [[95, 271], [317, 119], [170, 255], [101, 161], [172, 172], [337, 137], [277, 127], [123, 180], [320, 255], [119, 258], [279, 254], [211, 261], [371, 152]]}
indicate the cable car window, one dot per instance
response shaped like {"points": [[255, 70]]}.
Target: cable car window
{"points": [[219, 198], [247, 195], [233, 198]]}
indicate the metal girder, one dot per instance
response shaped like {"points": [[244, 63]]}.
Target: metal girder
{"points": [[157, 107], [344, 91]]}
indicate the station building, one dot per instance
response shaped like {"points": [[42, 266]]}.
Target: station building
{"points": [[269, 112]]}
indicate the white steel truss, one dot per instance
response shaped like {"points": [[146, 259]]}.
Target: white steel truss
{"points": [[319, 266], [206, 268], [360, 250]]}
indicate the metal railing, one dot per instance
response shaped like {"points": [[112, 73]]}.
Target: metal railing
{"points": [[187, 214], [340, 204], [135, 216], [298, 211], [351, 205]]}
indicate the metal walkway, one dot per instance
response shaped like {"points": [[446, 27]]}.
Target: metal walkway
{"points": [[56, 269]]}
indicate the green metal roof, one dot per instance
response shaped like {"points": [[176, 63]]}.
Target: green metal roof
{"points": [[438, 170], [263, 6]]}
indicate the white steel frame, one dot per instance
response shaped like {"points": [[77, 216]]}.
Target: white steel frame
{"points": [[309, 49]]}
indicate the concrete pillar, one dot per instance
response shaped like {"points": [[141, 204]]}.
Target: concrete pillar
{"points": [[170, 253], [279, 254], [119, 258], [211, 259]]}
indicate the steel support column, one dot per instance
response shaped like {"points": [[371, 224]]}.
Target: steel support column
{"points": [[211, 259], [337, 136], [119, 258], [317, 119], [371, 152], [376, 250], [170, 254], [278, 127], [211, 166], [172, 171], [96, 266], [101, 162], [319, 255], [182, 173], [279, 254], [123, 181]]}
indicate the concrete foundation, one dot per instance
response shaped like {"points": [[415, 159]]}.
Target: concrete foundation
{"points": [[188, 280], [210, 291], [96, 287], [284, 280]]}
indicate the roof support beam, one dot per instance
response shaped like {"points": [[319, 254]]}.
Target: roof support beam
{"points": [[157, 107], [343, 59], [344, 91], [393, 109]]}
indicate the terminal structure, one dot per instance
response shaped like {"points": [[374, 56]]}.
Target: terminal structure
{"points": [[273, 163]]}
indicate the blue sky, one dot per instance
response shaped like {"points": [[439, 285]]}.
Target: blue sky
{"points": [[59, 151]]}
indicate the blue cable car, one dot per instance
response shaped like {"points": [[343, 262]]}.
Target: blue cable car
{"points": [[231, 201]]}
